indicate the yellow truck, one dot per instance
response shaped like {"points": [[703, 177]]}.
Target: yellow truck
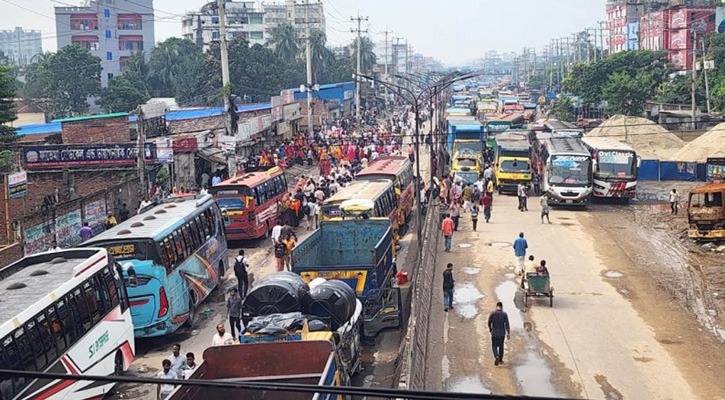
{"points": [[513, 161], [706, 213]]}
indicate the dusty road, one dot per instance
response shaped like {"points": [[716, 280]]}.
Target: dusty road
{"points": [[614, 331]]}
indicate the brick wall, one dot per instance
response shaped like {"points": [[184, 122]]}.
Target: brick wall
{"points": [[214, 123], [97, 130], [320, 112], [10, 254]]}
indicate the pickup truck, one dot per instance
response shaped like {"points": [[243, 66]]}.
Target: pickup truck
{"points": [[361, 253], [301, 362]]}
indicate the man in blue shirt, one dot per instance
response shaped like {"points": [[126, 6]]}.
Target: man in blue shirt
{"points": [[520, 246]]}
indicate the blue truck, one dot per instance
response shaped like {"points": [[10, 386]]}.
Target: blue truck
{"points": [[361, 253], [463, 128]]}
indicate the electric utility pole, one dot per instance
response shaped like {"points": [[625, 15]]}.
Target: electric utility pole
{"points": [[387, 61], [308, 63], [359, 20], [226, 84]]}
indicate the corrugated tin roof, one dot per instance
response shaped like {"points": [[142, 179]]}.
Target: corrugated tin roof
{"points": [[87, 117], [37, 129], [326, 86]]}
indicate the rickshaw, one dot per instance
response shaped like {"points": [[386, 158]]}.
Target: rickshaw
{"points": [[539, 285]]}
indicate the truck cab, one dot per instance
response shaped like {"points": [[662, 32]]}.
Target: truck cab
{"points": [[706, 213], [513, 161]]}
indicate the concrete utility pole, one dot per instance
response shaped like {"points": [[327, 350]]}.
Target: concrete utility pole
{"points": [[359, 20], [407, 56], [387, 61], [226, 84], [141, 145], [707, 83], [602, 24], [396, 49], [308, 63]]}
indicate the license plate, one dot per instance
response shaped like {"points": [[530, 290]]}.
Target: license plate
{"points": [[569, 201]]}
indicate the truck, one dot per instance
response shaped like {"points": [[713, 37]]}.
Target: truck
{"points": [[361, 253], [513, 161], [706, 213], [467, 128], [311, 362]]}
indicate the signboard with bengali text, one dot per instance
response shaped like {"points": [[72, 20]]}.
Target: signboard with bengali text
{"points": [[79, 155]]}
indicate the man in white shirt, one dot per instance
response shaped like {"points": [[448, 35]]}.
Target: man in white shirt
{"points": [[190, 365], [178, 362], [164, 390], [222, 337], [276, 232]]}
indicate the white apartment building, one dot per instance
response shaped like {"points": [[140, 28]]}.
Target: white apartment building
{"points": [[19, 45], [110, 29], [251, 20]]}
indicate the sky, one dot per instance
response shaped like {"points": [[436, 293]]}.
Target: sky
{"points": [[453, 31]]}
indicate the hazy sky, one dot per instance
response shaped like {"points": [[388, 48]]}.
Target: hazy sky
{"points": [[453, 31]]}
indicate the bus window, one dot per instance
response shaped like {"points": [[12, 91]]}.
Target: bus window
{"points": [[79, 303], [56, 327], [211, 221], [25, 350], [205, 225], [33, 335], [110, 284], [92, 298], [170, 251], [195, 234], [178, 245], [187, 239]]}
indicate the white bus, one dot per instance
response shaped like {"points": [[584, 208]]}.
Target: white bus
{"points": [[64, 312], [615, 167], [565, 167]]}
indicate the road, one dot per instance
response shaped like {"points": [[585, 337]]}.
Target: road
{"points": [[612, 333]]}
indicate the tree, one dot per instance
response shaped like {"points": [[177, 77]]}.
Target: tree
{"points": [[321, 55], [7, 107], [563, 108], [626, 94], [284, 41], [367, 54], [125, 92], [67, 78], [167, 61]]}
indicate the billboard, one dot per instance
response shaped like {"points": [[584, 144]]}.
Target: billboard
{"points": [[720, 19], [17, 185], [81, 155]]}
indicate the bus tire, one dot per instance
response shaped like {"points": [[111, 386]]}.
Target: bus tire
{"points": [[118, 364], [192, 312]]}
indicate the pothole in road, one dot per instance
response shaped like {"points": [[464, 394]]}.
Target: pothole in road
{"points": [[566, 224], [471, 270], [613, 274], [499, 244], [465, 297], [467, 384]]}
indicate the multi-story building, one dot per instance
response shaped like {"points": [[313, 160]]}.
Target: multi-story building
{"points": [[111, 30], [19, 45], [247, 20]]}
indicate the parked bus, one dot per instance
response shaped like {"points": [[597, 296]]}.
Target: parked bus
{"points": [[64, 312], [380, 192], [251, 202], [399, 170], [565, 167], [615, 167], [173, 256]]}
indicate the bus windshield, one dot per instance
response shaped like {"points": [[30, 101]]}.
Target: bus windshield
{"points": [[231, 203], [514, 166], [131, 249], [474, 148], [519, 153], [468, 176], [569, 170], [616, 164], [231, 190]]}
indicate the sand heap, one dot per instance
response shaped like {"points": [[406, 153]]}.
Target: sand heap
{"points": [[649, 140], [710, 144]]}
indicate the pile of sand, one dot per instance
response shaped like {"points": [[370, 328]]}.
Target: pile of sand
{"points": [[649, 140], [710, 144]]}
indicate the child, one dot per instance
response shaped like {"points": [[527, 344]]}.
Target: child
{"points": [[474, 215]]}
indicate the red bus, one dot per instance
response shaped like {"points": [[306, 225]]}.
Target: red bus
{"points": [[251, 202], [399, 170]]}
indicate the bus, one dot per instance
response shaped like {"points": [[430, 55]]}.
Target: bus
{"points": [[380, 192], [173, 256], [565, 167], [251, 202], [64, 312], [615, 167], [399, 170]]}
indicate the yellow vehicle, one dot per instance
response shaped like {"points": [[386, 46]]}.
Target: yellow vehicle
{"points": [[513, 161], [467, 167], [706, 213], [468, 148]]}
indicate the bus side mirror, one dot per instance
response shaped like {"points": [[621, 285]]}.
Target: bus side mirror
{"points": [[639, 161]]}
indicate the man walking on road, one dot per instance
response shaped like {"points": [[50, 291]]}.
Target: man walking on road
{"points": [[487, 202], [498, 325], [448, 284], [674, 201], [240, 271], [520, 246], [447, 229], [234, 312], [544, 203]]}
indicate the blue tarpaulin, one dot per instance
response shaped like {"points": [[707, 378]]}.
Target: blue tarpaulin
{"points": [[678, 171], [649, 170]]}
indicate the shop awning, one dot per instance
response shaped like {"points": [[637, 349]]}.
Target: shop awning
{"points": [[213, 155]]}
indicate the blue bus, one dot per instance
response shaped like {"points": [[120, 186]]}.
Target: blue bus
{"points": [[172, 255]]}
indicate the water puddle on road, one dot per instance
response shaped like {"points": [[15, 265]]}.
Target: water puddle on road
{"points": [[534, 373], [465, 298], [471, 270], [467, 384], [465, 245], [613, 274], [499, 244]]}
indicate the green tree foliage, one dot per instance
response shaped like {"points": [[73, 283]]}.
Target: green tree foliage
{"points": [[563, 109], [367, 54], [284, 41], [626, 94], [67, 78], [125, 92], [7, 108], [589, 81], [168, 63]]}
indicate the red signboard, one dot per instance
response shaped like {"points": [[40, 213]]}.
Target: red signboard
{"points": [[680, 40], [185, 144]]}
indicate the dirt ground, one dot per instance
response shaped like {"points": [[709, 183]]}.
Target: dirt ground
{"points": [[629, 319]]}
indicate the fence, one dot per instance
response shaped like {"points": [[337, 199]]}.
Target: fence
{"points": [[416, 348], [63, 222], [656, 170]]}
